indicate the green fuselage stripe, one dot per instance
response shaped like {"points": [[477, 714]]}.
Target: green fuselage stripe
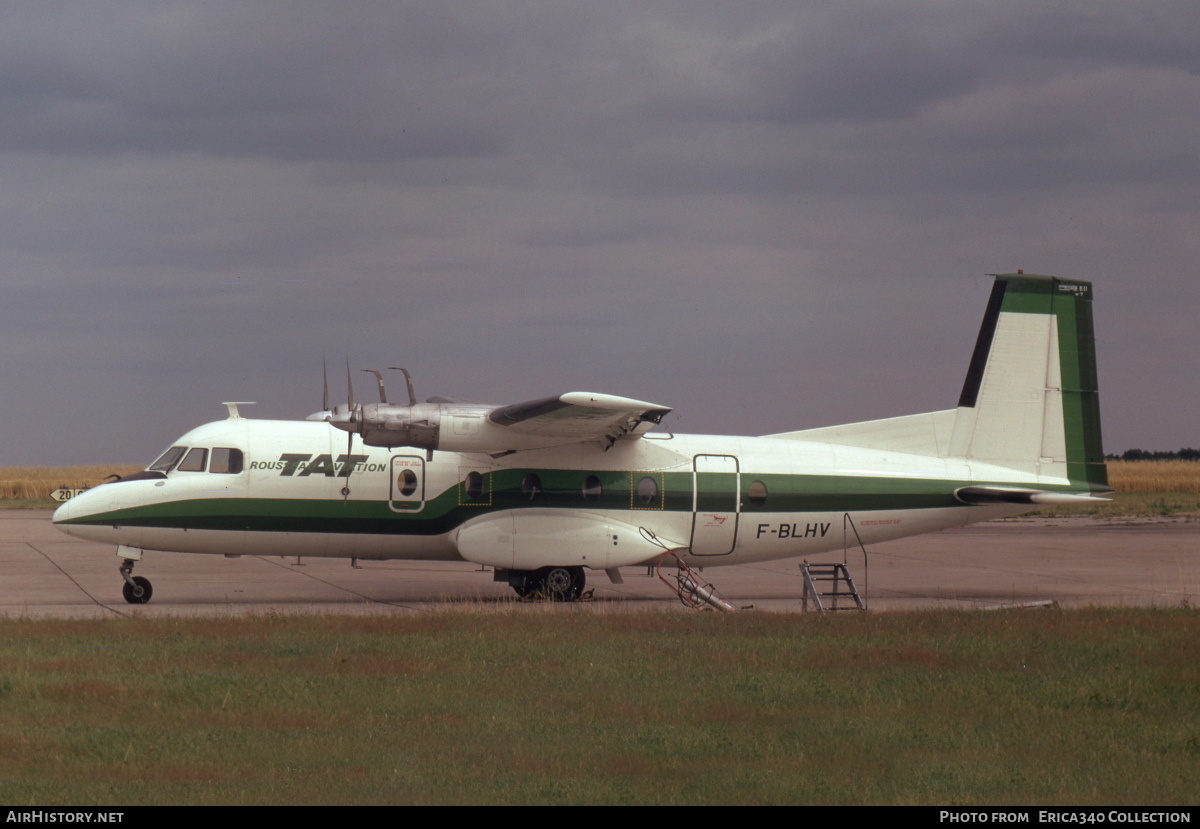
{"points": [[561, 490]]}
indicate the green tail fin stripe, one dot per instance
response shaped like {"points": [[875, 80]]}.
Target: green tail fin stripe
{"points": [[1070, 302]]}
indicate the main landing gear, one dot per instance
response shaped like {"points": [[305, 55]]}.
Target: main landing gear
{"points": [[558, 584], [137, 589]]}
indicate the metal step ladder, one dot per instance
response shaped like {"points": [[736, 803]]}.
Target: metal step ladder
{"points": [[843, 587]]}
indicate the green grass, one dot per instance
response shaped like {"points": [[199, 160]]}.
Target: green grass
{"points": [[573, 706]]}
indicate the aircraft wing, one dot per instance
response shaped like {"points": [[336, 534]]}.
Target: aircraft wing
{"points": [[579, 416], [575, 417]]}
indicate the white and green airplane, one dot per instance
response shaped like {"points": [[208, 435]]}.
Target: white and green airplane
{"points": [[545, 490]]}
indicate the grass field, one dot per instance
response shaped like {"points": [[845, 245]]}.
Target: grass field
{"points": [[1098, 707], [32, 484], [1154, 476]]}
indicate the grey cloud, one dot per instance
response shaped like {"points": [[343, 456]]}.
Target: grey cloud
{"points": [[754, 212]]}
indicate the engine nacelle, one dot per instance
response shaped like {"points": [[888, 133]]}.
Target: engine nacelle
{"points": [[386, 424], [451, 427]]}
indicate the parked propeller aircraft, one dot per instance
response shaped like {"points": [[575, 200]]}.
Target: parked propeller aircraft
{"points": [[545, 490]]}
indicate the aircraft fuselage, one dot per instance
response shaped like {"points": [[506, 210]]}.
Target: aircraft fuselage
{"points": [[305, 490]]}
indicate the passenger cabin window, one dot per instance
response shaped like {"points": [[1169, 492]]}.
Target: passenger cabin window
{"points": [[592, 489], [407, 482], [194, 460], [167, 460], [647, 490], [226, 461], [757, 494]]}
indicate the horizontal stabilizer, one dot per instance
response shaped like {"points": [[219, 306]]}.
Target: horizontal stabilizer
{"points": [[981, 495]]}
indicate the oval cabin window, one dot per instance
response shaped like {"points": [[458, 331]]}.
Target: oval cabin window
{"points": [[647, 491], [757, 494], [407, 482]]}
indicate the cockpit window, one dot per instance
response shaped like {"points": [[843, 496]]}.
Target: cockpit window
{"points": [[194, 460], [226, 461], [168, 459]]}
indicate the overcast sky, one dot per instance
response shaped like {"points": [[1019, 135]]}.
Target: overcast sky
{"points": [[767, 215]]}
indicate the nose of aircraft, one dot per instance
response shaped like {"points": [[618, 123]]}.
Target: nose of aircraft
{"points": [[81, 506], [73, 517], [63, 513]]}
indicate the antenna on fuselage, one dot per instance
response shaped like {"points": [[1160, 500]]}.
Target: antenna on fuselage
{"points": [[233, 408]]}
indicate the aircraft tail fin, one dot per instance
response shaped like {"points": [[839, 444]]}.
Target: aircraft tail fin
{"points": [[1030, 400]]}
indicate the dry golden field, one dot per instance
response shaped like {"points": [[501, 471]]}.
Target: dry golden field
{"points": [[1154, 476], [30, 482]]}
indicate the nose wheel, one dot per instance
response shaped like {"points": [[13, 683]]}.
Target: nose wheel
{"points": [[137, 589]]}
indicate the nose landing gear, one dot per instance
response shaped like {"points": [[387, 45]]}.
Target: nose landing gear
{"points": [[137, 589]]}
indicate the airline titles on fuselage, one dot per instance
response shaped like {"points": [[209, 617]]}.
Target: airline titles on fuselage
{"points": [[302, 465]]}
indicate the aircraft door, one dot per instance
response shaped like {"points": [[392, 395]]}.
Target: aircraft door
{"points": [[407, 492], [715, 504]]}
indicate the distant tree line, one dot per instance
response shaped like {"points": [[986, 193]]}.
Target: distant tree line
{"points": [[1143, 455]]}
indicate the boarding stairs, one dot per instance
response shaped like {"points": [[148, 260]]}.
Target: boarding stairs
{"points": [[842, 595]]}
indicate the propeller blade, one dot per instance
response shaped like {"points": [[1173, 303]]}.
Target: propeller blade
{"points": [[379, 380], [325, 381], [412, 397], [349, 388]]}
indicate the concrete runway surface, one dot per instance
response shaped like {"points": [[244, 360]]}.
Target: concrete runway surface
{"points": [[1071, 561]]}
